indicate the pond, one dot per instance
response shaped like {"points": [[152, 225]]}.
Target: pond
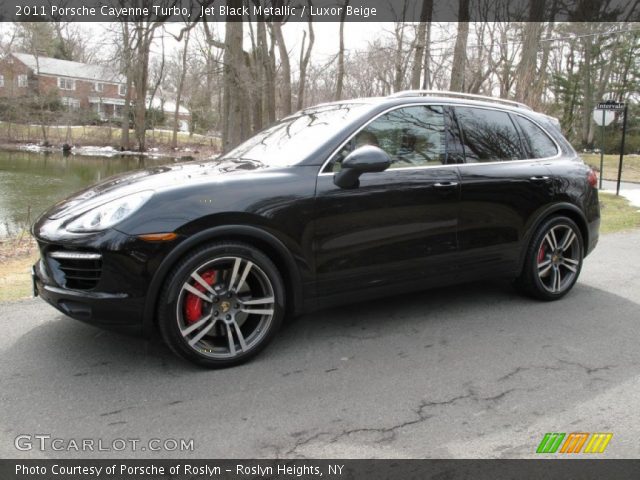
{"points": [[31, 182]]}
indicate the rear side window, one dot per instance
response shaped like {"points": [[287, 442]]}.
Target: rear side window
{"points": [[536, 140], [488, 135]]}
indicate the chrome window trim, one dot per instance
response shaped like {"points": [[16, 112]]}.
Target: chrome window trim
{"points": [[417, 104]]}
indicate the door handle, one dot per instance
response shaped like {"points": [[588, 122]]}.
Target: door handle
{"points": [[539, 178], [445, 184]]}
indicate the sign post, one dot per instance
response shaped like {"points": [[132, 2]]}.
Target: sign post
{"points": [[624, 131], [607, 106]]}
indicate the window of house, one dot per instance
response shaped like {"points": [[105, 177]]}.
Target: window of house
{"points": [[1, 80], [98, 87], [122, 89], [23, 81], [70, 103], [66, 83], [488, 135]]}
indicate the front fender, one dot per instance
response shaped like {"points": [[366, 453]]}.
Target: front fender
{"points": [[240, 232]]}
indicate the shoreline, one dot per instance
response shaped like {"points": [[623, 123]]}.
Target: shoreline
{"points": [[195, 152]]}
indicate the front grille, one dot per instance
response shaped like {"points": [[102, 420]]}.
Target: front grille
{"points": [[80, 270]]}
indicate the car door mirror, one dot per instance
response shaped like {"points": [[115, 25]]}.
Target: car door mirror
{"points": [[365, 159]]}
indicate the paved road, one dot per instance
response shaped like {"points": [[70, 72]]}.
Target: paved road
{"points": [[473, 371]]}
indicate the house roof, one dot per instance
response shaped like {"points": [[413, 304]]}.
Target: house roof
{"points": [[168, 106], [66, 68]]}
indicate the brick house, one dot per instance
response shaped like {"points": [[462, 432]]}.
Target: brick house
{"points": [[80, 86]]}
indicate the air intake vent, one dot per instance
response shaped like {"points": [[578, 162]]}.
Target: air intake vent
{"points": [[80, 270]]}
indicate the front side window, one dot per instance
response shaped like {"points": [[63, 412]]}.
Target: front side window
{"points": [[536, 140], [488, 135], [122, 89], [412, 136], [22, 81], [98, 87], [1, 80]]}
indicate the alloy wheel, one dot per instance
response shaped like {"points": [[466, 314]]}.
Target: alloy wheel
{"points": [[558, 260], [225, 307]]}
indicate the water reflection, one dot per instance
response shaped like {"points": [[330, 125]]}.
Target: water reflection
{"points": [[32, 182]]}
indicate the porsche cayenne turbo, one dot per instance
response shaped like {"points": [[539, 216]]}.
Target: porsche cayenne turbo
{"points": [[342, 202]]}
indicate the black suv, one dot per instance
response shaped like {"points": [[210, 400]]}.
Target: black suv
{"points": [[341, 202]]}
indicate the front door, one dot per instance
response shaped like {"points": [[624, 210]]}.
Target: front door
{"points": [[398, 226]]}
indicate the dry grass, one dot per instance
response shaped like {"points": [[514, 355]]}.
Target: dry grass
{"points": [[16, 257], [617, 214], [630, 166]]}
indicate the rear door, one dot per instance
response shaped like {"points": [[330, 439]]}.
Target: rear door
{"points": [[502, 185], [399, 226]]}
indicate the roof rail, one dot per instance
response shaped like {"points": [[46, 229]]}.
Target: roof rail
{"points": [[444, 93]]}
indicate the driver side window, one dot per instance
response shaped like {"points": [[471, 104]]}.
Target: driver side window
{"points": [[411, 136]]}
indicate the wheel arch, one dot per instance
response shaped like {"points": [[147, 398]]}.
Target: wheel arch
{"points": [[560, 209], [270, 245]]}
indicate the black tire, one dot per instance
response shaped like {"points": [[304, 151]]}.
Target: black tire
{"points": [[209, 351], [537, 285]]}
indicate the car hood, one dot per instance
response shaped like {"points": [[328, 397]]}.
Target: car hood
{"points": [[154, 178]]}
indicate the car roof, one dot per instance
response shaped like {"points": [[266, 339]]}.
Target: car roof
{"points": [[449, 98]]}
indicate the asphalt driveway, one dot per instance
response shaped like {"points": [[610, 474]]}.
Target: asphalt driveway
{"points": [[468, 371]]}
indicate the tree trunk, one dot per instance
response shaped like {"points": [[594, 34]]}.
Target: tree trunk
{"points": [[426, 81], [141, 78], [340, 79], [460, 49], [183, 74], [127, 54], [286, 69], [425, 19], [526, 72], [304, 63]]}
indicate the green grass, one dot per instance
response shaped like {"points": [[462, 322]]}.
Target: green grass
{"points": [[617, 214], [630, 166]]}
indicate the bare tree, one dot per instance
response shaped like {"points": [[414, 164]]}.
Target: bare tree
{"points": [[460, 50], [426, 14], [527, 68], [180, 86], [340, 79], [305, 56], [285, 66]]}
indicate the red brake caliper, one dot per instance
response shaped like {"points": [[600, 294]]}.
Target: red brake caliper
{"points": [[541, 254], [193, 304]]}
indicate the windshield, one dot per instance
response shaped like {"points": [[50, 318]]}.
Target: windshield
{"points": [[292, 139]]}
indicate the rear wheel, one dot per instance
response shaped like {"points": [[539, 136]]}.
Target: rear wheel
{"points": [[553, 260], [222, 305]]}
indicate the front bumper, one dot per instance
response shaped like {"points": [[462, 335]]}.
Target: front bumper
{"points": [[116, 311]]}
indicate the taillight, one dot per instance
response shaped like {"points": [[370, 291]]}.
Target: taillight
{"points": [[592, 177]]}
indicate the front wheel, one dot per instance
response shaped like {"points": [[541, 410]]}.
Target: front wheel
{"points": [[222, 305], [553, 260]]}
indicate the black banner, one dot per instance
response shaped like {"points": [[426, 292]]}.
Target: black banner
{"points": [[318, 10], [548, 469]]}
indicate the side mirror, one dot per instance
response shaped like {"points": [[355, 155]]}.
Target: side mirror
{"points": [[365, 159]]}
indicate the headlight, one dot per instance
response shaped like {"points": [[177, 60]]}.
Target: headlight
{"points": [[110, 213]]}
